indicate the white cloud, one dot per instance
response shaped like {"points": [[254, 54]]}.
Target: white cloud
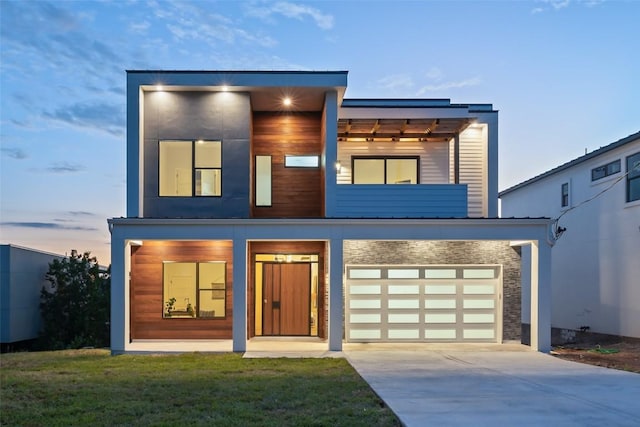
{"points": [[474, 81], [434, 73], [544, 5], [188, 22], [139, 27], [559, 4], [395, 82], [293, 10]]}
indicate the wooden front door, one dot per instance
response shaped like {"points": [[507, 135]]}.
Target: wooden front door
{"points": [[286, 301]]}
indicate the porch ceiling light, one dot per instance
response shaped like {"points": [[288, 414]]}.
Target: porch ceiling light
{"points": [[286, 102]]}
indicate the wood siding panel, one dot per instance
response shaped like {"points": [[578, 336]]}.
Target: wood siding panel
{"points": [[146, 299], [289, 248], [296, 192]]}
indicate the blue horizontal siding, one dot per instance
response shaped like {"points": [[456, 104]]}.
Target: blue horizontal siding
{"points": [[398, 201]]}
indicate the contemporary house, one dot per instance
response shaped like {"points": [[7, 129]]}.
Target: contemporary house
{"points": [[595, 274], [264, 206], [22, 277]]}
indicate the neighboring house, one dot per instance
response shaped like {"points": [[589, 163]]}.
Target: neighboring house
{"points": [[264, 205], [22, 277], [595, 278]]}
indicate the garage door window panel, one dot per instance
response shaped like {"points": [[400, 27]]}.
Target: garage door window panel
{"points": [[456, 304]]}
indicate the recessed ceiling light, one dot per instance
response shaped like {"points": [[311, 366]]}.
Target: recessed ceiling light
{"points": [[286, 101], [159, 87], [225, 88]]}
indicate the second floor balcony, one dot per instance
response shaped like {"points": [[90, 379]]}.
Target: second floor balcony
{"points": [[398, 201]]}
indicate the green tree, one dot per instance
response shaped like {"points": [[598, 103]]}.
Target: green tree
{"points": [[76, 307]]}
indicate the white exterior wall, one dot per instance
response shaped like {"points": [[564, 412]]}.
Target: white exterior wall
{"points": [[23, 276], [474, 160], [595, 272], [434, 158]]}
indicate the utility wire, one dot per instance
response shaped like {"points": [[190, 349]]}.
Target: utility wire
{"points": [[557, 230]]}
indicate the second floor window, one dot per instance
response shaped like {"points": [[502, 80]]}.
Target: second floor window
{"points": [[564, 195], [605, 170], [190, 168], [633, 177], [385, 170]]}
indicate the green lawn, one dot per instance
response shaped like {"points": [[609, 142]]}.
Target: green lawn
{"points": [[90, 387]]}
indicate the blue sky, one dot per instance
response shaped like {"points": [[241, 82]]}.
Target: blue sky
{"points": [[564, 74]]}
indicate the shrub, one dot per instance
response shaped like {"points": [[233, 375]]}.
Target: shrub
{"points": [[76, 307]]}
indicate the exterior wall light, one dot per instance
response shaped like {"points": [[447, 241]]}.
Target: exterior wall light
{"points": [[338, 166]]}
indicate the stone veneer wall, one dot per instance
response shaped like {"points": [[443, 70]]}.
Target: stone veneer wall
{"points": [[450, 252]]}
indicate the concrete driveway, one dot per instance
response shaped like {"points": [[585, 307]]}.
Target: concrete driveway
{"points": [[506, 385]]}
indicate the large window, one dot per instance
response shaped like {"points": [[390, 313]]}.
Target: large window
{"points": [[194, 289], [633, 177], [385, 170], [190, 168], [605, 170]]}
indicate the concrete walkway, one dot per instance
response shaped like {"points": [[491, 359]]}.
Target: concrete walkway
{"points": [[496, 386]]}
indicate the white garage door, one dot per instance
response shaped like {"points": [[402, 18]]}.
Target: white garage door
{"points": [[452, 303]]}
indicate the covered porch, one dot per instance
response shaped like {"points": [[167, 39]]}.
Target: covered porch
{"points": [[334, 234]]}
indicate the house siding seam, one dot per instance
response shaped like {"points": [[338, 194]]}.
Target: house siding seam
{"points": [[450, 252]]}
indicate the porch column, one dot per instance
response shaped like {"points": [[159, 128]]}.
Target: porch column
{"points": [[335, 294], [540, 296], [456, 159], [239, 293], [119, 294]]}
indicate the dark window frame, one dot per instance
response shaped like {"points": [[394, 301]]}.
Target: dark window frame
{"points": [[632, 176], [606, 170], [385, 158], [564, 195], [198, 290], [194, 169]]}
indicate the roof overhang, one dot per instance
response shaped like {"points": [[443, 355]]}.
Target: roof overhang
{"points": [[267, 89], [423, 130], [424, 120], [509, 229]]}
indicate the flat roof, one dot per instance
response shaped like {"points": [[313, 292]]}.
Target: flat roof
{"points": [[619, 143], [411, 103], [236, 71]]}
